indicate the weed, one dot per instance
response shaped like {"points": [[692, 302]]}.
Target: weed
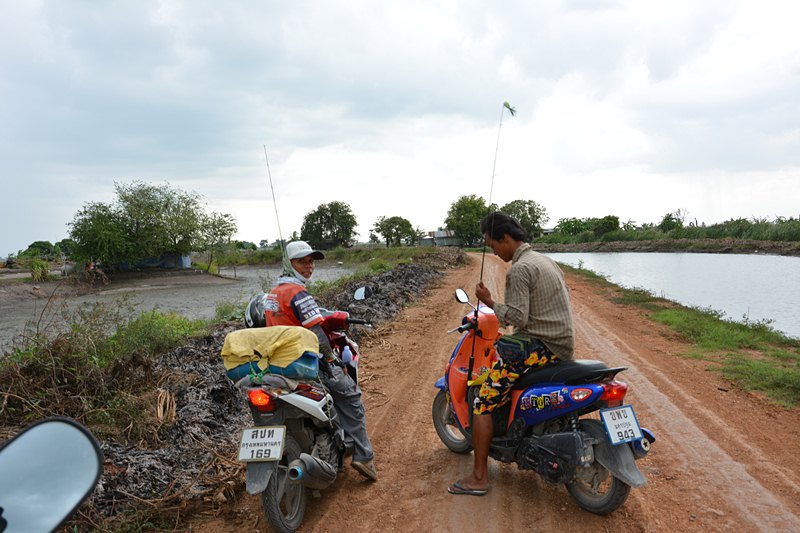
{"points": [[40, 270], [229, 309]]}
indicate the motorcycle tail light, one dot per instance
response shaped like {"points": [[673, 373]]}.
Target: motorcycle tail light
{"points": [[262, 401], [614, 392]]}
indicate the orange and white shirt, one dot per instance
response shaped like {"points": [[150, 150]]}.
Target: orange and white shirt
{"points": [[289, 304]]}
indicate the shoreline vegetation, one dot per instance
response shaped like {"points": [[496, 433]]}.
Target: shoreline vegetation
{"points": [[753, 356]]}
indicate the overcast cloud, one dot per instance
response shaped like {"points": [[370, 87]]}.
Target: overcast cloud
{"points": [[628, 108]]}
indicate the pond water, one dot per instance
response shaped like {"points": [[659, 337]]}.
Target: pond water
{"points": [[192, 296], [744, 287]]}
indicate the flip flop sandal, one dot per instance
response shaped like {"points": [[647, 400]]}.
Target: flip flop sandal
{"points": [[457, 488]]}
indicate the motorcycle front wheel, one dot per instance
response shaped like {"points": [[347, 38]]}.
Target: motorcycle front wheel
{"points": [[446, 426], [596, 490], [284, 501]]}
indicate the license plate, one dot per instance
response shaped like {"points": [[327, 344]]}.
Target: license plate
{"points": [[262, 444], [621, 424]]}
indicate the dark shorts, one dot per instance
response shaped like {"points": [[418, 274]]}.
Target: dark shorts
{"points": [[494, 392]]}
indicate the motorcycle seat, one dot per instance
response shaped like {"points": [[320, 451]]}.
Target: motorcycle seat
{"points": [[567, 372]]}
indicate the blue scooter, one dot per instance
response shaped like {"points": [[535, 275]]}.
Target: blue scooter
{"points": [[546, 426]]}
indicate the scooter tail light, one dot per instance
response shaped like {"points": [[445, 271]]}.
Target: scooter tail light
{"points": [[262, 401], [614, 392]]}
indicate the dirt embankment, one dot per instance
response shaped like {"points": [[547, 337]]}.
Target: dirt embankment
{"points": [[725, 460], [715, 246]]}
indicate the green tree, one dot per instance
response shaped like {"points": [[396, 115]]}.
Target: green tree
{"points": [[395, 230], [529, 214], [143, 221], [215, 234], [464, 218], [572, 226], [67, 247], [159, 218], [670, 222], [99, 233], [329, 225], [607, 224], [245, 245], [42, 249]]}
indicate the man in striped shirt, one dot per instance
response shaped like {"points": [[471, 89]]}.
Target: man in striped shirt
{"points": [[537, 306]]}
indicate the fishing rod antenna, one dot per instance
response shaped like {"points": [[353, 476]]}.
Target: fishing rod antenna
{"points": [[284, 261], [513, 113]]}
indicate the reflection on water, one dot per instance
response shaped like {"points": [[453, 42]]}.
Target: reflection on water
{"points": [[744, 287]]}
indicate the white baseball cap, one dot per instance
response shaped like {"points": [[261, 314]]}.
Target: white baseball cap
{"points": [[300, 249]]}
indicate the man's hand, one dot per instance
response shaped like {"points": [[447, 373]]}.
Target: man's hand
{"points": [[484, 294]]}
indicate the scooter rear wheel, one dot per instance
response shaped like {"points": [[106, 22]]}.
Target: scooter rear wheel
{"points": [[284, 501], [446, 426]]}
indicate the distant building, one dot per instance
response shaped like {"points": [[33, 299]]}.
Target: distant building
{"points": [[440, 238]]}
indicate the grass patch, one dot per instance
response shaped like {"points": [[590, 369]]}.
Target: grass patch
{"points": [[777, 376], [751, 354], [230, 309]]}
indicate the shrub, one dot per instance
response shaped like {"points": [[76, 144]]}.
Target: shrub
{"points": [[40, 270]]}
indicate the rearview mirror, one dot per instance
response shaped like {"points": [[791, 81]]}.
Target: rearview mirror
{"points": [[45, 473], [461, 296], [362, 293]]}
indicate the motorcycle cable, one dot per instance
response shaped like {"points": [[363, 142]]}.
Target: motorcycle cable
{"points": [[513, 112]]}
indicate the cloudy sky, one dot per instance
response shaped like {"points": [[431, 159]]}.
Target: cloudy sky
{"points": [[628, 108]]}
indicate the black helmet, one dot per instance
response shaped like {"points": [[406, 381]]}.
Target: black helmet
{"points": [[254, 314]]}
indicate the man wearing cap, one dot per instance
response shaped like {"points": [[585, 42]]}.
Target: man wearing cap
{"points": [[289, 304]]}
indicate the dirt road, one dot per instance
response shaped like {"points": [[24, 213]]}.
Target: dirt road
{"points": [[724, 460]]}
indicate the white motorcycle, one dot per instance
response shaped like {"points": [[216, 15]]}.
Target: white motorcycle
{"points": [[297, 442]]}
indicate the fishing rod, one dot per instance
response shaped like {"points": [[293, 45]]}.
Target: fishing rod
{"points": [[513, 112], [284, 260]]}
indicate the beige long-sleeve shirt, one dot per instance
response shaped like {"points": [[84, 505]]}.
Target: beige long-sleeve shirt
{"points": [[537, 301]]}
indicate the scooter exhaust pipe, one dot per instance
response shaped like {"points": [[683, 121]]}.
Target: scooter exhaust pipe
{"points": [[312, 472]]}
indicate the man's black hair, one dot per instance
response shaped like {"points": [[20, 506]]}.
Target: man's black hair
{"points": [[498, 224]]}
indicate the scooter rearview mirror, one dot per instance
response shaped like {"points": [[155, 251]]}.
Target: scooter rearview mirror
{"points": [[461, 296], [362, 293], [45, 473]]}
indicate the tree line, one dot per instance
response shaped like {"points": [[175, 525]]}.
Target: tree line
{"points": [[673, 225], [151, 221]]}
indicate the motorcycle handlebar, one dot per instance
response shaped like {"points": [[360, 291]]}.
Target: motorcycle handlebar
{"points": [[464, 327]]}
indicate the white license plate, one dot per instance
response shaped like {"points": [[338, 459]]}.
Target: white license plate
{"points": [[621, 424], [262, 444]]}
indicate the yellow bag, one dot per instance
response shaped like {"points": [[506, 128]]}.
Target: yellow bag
{"points": [[279, 346]]}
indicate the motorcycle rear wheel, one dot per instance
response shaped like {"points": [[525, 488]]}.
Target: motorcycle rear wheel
{"points": [[596, 490], [284, 501], [446, 426]]}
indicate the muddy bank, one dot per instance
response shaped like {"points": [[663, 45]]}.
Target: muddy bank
{"points": [[718, 246]]}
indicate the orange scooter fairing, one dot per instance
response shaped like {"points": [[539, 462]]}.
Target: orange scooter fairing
{"points": [[482, 345]]}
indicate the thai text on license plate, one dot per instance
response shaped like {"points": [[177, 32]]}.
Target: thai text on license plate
{"points": [[621, 424], [262, 444]]}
